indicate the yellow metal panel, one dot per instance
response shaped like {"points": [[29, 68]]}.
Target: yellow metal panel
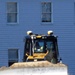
{"points": [[38, 36]]}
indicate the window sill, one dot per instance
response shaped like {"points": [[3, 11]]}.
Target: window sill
{"points": [[12, 24], [46, 23]]}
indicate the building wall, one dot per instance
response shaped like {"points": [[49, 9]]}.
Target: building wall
{"points": [[29, 18]]}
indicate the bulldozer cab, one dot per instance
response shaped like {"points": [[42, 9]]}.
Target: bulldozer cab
{"points": [[41, 47]]}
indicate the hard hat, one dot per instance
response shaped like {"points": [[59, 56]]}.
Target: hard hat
{"points": [[50, 32], [29, 33]]}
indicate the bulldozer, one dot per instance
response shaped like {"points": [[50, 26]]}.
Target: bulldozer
{"points": [[39, 47], [41, 56]]}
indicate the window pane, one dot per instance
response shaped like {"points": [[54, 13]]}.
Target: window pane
{"points": [[46, 17], [39, 46], [12, 17], [50, 45], [12, 7], [46, 7], [13, 54]]}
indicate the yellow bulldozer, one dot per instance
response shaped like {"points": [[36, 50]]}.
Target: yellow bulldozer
{"points": [[39, 47], [41, 56]]}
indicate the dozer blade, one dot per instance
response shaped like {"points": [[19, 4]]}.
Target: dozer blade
{"points": [[35, 68]]}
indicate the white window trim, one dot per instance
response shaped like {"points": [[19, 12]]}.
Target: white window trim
{"points": [[16, 23], [47, 23]]}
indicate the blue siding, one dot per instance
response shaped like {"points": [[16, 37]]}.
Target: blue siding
{"points": [[29, 16]]}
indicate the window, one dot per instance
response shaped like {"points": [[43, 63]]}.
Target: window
{"points": [[50, 45], [11, 12], [12, 56], [46, 12], [39, 46]]}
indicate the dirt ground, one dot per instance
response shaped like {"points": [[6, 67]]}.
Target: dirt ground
{"points": [[33, 65]]}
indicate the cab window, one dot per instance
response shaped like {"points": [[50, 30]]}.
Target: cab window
{"points": [[39, 46]]}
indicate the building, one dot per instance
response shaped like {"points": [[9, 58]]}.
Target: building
{"points": [[19, 16]]}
